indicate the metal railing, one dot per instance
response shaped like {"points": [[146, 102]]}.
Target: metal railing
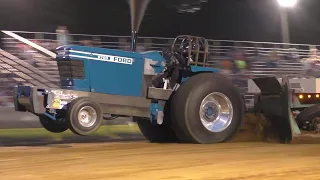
{"points": [[156, 43], [257, 53]]}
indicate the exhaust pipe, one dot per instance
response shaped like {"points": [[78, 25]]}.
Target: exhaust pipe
{"points": [[133, 41], [137, 11]]}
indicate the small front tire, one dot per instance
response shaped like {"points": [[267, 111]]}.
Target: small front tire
{"points": [[84, 116], [54, 126]]}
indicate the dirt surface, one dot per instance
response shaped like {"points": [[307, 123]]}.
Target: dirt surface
{"points": [[146, 161]]}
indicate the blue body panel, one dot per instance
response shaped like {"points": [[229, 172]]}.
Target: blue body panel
{"points": [[203, 69], [117, 78], [102, 75]]}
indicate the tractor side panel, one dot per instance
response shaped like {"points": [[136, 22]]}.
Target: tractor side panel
{"points": [[116, 78], [111, 71]]}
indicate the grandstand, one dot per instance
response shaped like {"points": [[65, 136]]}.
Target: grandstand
{"points": [[28, 57]]}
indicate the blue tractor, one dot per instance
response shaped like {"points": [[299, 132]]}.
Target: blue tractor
{"points": [[174, 95]]}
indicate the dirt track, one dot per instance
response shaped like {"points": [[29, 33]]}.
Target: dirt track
{"points": [[140, 160]]}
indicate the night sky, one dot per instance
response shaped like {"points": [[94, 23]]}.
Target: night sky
{"points": [[253, 20]]}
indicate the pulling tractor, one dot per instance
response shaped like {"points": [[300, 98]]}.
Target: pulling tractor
{"points": [[174, 95]]}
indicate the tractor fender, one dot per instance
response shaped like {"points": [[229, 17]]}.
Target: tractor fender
{"points": [[203, 69]]}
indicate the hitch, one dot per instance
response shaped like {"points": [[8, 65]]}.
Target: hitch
{"points": [[273, 101]]}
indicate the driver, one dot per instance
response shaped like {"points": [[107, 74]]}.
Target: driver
{"points": [[174, 59], [171, 62]]}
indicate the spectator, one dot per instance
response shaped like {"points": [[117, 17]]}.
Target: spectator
{"points": [[312, 64], [231, 55], [238, 66], [240, 61], [86, 43], [63, 36], [140, 48], [96, 41], [226, 67], [293, 54], [123, 44], [313, 53], [273, 58]]}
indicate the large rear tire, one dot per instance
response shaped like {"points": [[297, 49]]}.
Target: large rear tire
{"points": [[156, 133], [207, 108]]}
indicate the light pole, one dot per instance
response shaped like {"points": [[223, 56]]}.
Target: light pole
{"points": [[284, 5]]}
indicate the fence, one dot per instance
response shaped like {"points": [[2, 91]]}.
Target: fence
{"points": [[257, 53]]}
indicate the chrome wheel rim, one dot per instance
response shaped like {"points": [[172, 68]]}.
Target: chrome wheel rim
{"points": [[216, 112], [87, 116]]}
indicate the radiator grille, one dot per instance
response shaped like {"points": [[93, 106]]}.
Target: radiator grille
{"points": [[73, 69]]}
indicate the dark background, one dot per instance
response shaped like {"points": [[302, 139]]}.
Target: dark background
{"points": [[253, 20]]}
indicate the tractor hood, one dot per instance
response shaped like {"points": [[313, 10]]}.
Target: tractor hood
{"points": [[100, 70], [75, 51], [94, 53]]}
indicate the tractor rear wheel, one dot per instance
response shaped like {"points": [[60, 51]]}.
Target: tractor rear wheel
{"points": [[158, 133], [207, 108]]}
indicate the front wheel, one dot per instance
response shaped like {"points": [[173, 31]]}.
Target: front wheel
{"points": [[84, 116], [207, 108], [55, 126]]}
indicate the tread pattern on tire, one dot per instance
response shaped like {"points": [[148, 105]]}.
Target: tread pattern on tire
{"points": [[158, 133]]}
